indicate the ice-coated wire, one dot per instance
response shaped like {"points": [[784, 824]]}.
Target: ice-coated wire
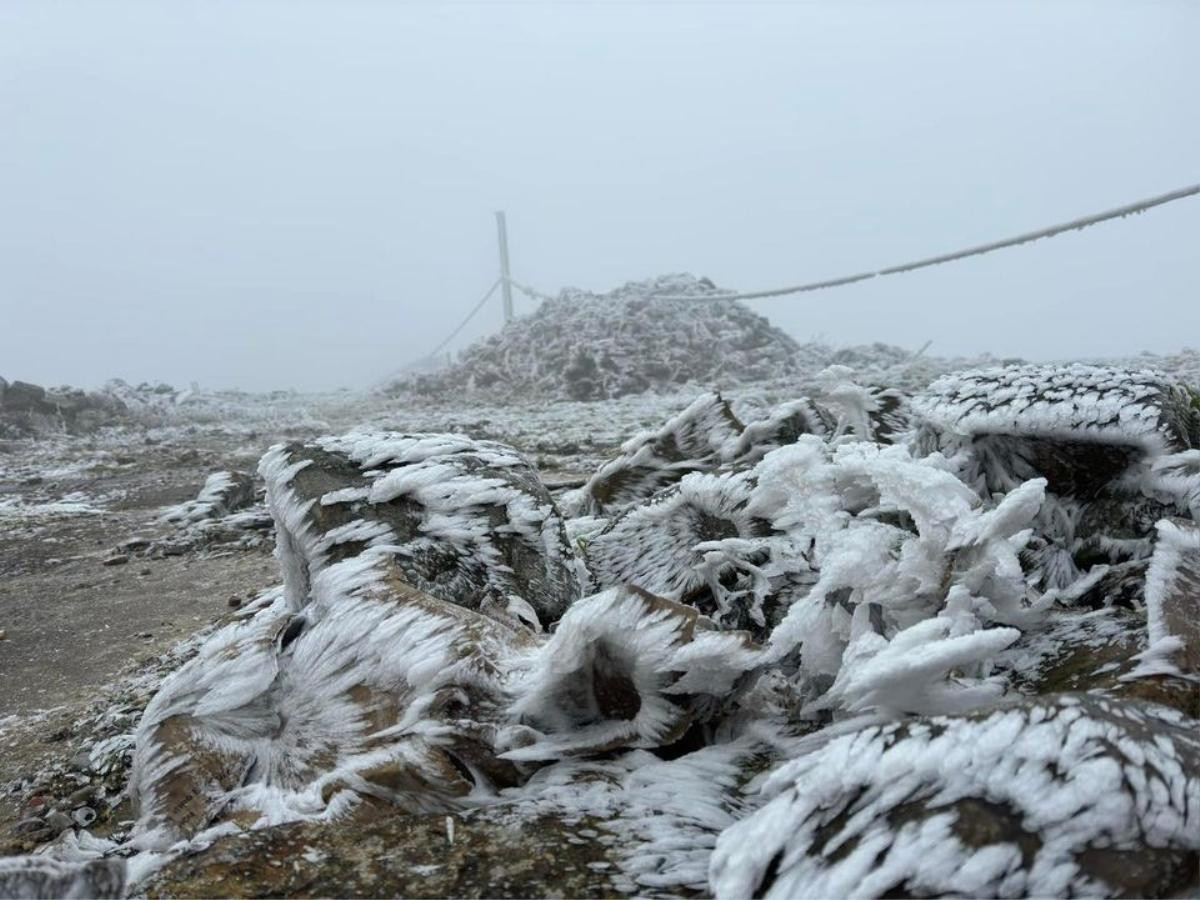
{"points": [[1073, 225], [463, 324]]}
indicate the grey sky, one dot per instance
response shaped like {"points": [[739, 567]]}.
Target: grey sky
{"points": [[300, 194]]}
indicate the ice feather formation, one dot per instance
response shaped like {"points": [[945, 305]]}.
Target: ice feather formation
{"points": [[798, 657]]}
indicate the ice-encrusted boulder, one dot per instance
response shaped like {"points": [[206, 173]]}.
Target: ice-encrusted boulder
{"points": [[466, 521], [626, 669], [1114, 446], [374, 694], [1121, 408], [782, 425], [1065, 795], [677, 545]]}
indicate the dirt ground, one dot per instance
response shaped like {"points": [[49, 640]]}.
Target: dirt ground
{"points": [[78, 612]]}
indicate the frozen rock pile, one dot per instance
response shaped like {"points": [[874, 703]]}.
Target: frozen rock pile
{"points": [[584, 346], [868, 645], [29, 410]]}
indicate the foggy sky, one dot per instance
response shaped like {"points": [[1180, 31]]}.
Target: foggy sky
{"points": [[300, 194]]}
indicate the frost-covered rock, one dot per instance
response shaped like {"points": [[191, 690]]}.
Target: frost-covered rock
{"points": [[1113, 445], [699, 439], [1060, 796], [1122, 409], [375, 694], [782, 425], [467, 854], [467, 521], [416, 568], [30, 410], [626, 669], [222, 493], [680, 545]]}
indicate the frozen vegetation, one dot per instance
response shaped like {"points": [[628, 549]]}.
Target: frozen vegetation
{"points": [[823, 633]]}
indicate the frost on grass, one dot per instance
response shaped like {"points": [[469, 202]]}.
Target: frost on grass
{"points": [[1061, 796]]}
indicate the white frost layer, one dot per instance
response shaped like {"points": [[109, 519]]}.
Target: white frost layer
{"points": [[1062, 401]]}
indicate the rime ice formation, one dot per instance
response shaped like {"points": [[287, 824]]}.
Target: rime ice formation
{"points": [[699, 439], [863, 646], [1118, 407], [374, 694]]}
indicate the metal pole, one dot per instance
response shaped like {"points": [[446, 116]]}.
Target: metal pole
{"points": [[505, 280]]}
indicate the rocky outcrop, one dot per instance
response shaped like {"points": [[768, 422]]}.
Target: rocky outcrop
{"points": [[30, 410]]}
